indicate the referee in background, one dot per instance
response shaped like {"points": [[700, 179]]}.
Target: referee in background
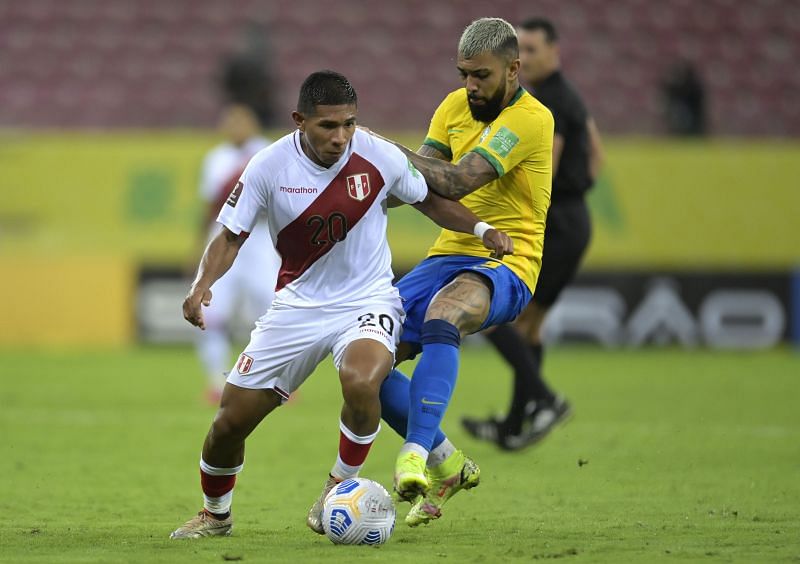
{"points": [[577, 155]]}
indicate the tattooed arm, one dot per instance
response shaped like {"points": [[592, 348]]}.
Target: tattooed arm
{"points": [[451, 181], [456, 217], [432, 152]]}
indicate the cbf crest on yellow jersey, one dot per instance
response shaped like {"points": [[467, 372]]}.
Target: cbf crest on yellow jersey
{"points": [[519, 145]]}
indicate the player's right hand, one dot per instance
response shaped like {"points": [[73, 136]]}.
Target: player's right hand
{"points": [[192, 306], [499, 243]]}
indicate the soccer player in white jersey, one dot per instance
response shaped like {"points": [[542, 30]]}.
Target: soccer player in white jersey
{"points": [[251, 279], [325, 189]]}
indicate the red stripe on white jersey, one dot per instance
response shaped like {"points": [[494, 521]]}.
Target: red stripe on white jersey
{"points": [[328, 219]]}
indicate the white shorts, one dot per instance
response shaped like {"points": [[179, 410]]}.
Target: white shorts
{"points": [[288, 343]]}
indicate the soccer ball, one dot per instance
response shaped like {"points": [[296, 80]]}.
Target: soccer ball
{"points": [[358, 511]]}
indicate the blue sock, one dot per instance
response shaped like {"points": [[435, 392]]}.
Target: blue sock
{"points": [[394, 404], [433, 382]]}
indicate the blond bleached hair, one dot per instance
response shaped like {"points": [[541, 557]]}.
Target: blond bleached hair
{"points": [[494, 35]]}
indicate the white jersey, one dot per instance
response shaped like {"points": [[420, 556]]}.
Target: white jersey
{"points": [[327, 224], [222, 167]]}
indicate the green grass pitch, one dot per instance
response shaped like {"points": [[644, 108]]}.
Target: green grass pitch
{"points": [[692, 457]]}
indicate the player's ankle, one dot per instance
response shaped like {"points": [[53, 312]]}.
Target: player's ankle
{"points": [[218, 516], [440, 453]]}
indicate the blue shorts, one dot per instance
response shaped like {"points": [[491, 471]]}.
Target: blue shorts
{"points": [[510, 295]]}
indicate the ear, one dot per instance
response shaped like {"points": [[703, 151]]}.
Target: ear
{"points": [[513, 70], [299, 120]]}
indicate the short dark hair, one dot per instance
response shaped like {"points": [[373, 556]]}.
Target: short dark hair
{"points": [[326, 88], [535, 24]]}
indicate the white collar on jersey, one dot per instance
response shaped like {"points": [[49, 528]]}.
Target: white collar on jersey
{"points": [[335, 168]]}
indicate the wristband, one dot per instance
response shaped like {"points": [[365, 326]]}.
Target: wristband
{"points": [[480, 229]]}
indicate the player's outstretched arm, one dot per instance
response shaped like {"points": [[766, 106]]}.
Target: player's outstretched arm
{"points": [[217, 259], [454, 181], [451, 181], [455, 217]]}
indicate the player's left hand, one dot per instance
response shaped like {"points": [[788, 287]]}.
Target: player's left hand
{"points": [[192, 311], [499, 243]]}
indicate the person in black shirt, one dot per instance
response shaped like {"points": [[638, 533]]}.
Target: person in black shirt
{"points": [[577, 154], [684, 99]]}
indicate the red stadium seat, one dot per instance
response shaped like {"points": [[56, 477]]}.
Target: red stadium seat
{"points": [[158, 60]]}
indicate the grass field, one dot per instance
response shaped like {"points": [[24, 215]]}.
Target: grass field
{"points": [[691, 457]]}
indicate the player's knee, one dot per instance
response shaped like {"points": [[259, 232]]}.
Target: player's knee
{"points": [[534, 320], [360, 385], [528, 330], [228, 426]]}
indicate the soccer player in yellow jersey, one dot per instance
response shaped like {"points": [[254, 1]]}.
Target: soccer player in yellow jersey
{"points": [[489, 145]]}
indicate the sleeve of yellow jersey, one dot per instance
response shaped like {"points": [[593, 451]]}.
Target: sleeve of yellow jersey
{"points": [[437, 136], [516, 135]]}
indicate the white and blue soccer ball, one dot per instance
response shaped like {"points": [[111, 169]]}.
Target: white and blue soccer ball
{"points": [[358, 511]]}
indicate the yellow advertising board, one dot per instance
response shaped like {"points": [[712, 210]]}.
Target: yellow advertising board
{"points": [[698, 205], [86, 208], [67, 301], [131, 194]]}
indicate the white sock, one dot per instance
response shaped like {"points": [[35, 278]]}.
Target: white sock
{"points": [[342, 471], [414, 447], [441, 453], [220, 504], [354, 446]]}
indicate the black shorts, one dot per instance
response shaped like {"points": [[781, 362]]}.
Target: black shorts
{"points": [[566, 236]]}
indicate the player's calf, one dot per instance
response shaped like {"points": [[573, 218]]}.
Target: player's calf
{"points": [[241, 410], [223, 454], [215, 519]]}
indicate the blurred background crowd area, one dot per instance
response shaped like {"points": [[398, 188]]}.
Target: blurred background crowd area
{"points": [[151, 63], [108, 107]]}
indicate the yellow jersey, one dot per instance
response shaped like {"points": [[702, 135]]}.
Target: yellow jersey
{"points": [[519, 145]]}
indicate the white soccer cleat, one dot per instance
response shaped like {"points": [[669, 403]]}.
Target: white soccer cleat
{"points": [[204, 524], [314, 518]]}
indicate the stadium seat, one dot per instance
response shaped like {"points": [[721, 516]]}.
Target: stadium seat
{"points": [[400, 55]]}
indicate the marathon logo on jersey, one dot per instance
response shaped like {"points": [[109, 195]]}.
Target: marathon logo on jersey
{"points": [[235, 193], [358, 186], [245, 364], [298, 190]]}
